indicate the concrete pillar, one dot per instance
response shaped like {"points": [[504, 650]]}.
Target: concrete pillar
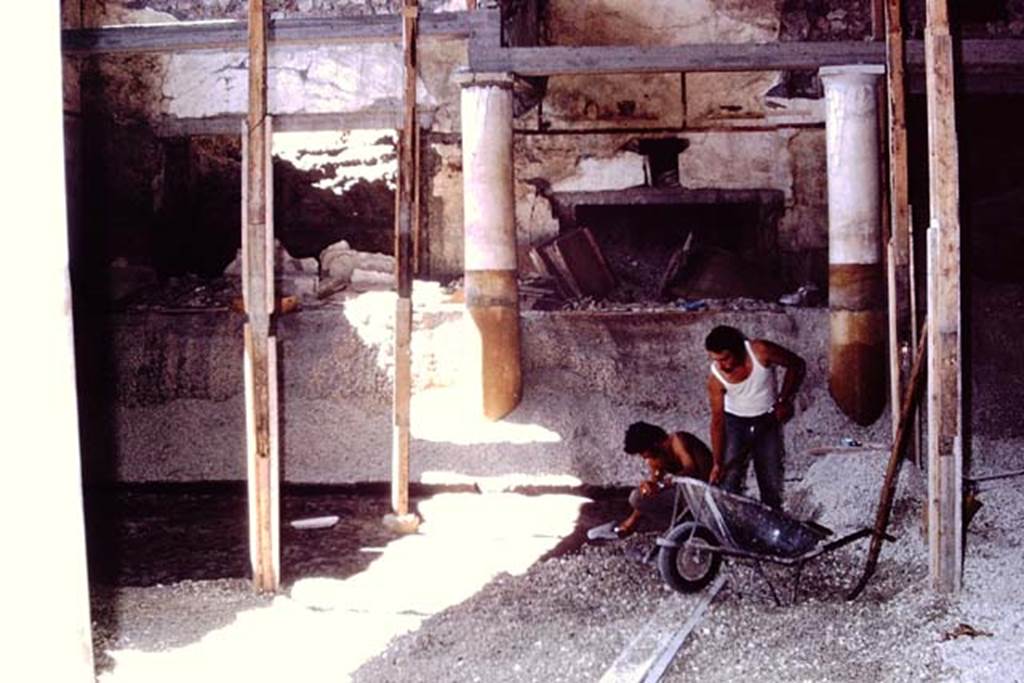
{"points": [[858, 321], [46, 602], [492, 297]]}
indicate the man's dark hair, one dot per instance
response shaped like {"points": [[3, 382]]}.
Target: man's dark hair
{"points": [[725, 338], [643, 436]]}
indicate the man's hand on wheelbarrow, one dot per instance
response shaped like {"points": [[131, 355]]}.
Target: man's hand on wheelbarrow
{"points": [[716, 474], [783, 409], [650, 487]]}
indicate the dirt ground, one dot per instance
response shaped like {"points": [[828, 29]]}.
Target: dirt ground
{"points": [[502, 586]]}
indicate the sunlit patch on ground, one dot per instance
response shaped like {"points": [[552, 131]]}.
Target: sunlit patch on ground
{"points": [[324, 628]]}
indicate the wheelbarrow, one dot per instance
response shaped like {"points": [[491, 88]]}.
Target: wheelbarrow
{"points": [[716, 523]]}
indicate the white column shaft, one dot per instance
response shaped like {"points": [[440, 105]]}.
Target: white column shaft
{"points": [[490, 235], [851, 125]]}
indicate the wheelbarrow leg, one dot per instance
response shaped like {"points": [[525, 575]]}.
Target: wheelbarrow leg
{"points": [[771, 588], [796, 583]]}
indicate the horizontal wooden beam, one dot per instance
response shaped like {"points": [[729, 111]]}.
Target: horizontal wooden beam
{"points": [[976, 55], [381, 118], [666, 196], [205, 35]]}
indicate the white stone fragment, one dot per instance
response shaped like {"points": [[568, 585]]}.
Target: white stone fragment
{"points": [[341, 265]]}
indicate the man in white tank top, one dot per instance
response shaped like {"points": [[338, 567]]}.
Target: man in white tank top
{"points": [[747, 410]]}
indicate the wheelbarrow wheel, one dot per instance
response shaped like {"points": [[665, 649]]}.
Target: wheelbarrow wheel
{"points": [[688, 569]]}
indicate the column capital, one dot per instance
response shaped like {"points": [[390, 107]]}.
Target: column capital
{"points": [[483, 79], [851, 73]]}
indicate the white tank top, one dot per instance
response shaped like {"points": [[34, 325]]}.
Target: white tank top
{"points": [[753, 396]]}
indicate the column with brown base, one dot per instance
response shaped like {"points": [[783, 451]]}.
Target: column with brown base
{"points": [[492, 297], [858, 320]]}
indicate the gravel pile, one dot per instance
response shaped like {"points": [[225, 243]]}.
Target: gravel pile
{"points": [[568, 619], [569, 616]]}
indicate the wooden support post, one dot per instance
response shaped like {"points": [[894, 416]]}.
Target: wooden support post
{"points": [[945, 432], [406, 218], [258, 295], [895, 375], [878, 19], [900, 326], [916, 452], [904, 427]]}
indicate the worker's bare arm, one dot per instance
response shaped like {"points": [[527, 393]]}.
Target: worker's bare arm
{"points": [[770, 353], [716, 399]]}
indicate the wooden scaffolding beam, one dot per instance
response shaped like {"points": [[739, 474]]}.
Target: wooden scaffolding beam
{"points": [[258, 296], [226, 35], [978, 56], [945, 418], [406, 225], [897, 266]]}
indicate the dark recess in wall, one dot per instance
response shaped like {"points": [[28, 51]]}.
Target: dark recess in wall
{"points": [[174, 205]]}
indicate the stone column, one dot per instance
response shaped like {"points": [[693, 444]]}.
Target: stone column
{"points": [[492, 297], [857, 349]]}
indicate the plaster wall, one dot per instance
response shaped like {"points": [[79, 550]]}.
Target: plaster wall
{"points": [[364, 79], [659, 100], [177, 409]]}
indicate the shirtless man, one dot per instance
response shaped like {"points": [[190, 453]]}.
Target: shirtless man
{"points": [[680, 454], [747, 411]]}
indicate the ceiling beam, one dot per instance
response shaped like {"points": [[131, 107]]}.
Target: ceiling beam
{"points": [[976, 55], [206, 35]]}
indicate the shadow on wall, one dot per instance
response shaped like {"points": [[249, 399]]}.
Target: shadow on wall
{"points": [[173, 205]]}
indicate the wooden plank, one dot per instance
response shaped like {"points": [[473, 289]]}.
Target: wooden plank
{"points": [[258, 299], [666, 196], [613, 59], [945, 431], [898, 164], [207, 35], [405, 219], [649, 653], [981, 55], [897, 271], [916, 452], [661, 664], [895, 375], [580, 253], [384, 115], [878, 19], [904, 427]]}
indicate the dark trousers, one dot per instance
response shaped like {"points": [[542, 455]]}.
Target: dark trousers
{"points": [[758, 439]]}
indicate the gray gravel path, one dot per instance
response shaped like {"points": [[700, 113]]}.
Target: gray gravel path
{"points": [[567, 617]]}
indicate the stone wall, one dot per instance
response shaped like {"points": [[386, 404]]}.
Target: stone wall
{"points": [[742, 132], [167, 399]]}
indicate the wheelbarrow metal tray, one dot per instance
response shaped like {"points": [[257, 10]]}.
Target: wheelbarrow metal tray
{"points": [[746, 526], [798, 560]]}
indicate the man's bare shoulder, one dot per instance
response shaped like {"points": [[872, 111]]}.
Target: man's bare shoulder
{"points": [[770, 353], [691, 442]]}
